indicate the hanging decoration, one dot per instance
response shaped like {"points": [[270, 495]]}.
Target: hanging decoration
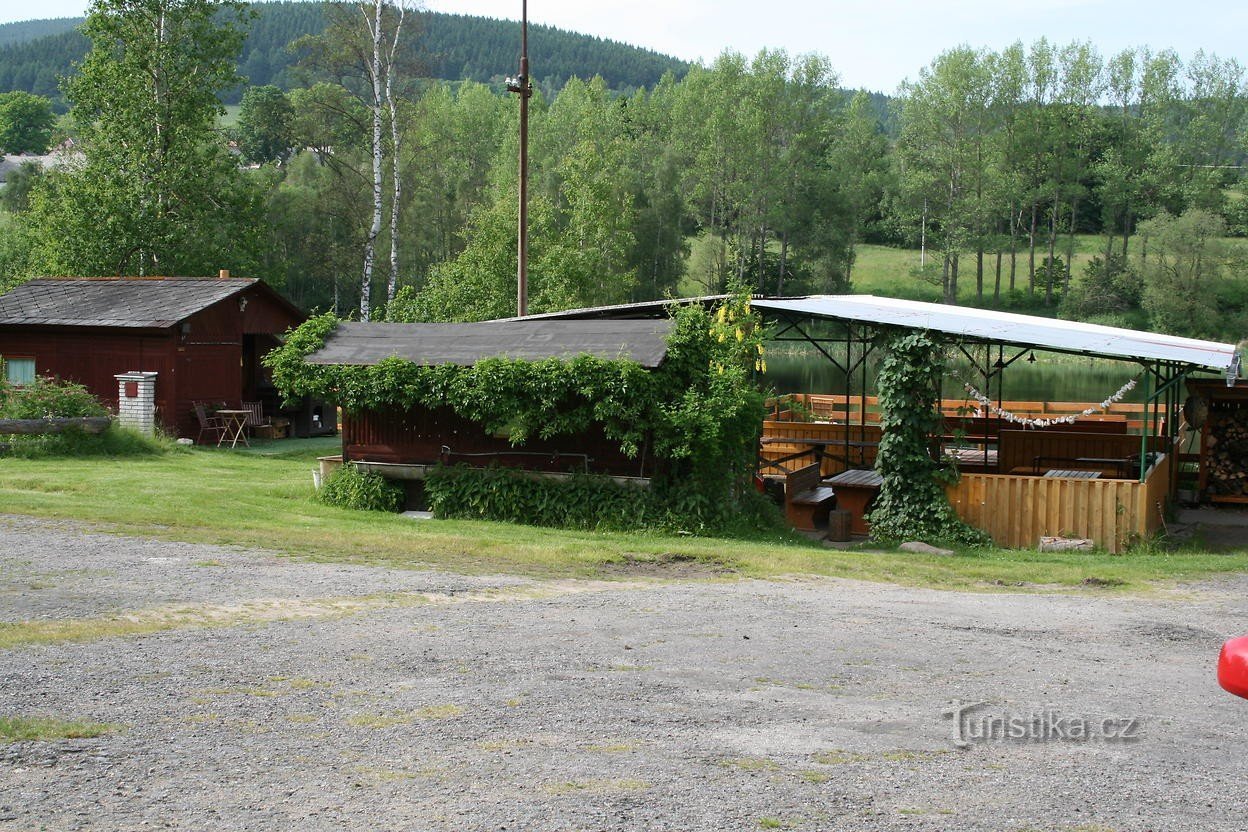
{"points": [[986, 404]]}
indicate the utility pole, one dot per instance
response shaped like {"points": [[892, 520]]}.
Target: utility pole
{"points": [[522, 87]]}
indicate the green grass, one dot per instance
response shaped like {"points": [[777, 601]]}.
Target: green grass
{"points": [[882, 270], [24, 728], [251, 500], [230, 119]]}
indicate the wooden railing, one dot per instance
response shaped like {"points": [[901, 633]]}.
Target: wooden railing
{"points": [[839, 407], [787, 446]]}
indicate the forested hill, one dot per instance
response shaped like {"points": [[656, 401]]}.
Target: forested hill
{"points": [[451, 47]]}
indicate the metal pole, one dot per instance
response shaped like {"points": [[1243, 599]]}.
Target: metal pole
{"points": [[522, 87]]}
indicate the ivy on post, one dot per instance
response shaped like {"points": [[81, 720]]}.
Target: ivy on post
{"points": [[912, 504]]}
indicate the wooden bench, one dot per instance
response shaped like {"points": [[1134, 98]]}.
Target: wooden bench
{"points": [[855, 491], [807, 501]]}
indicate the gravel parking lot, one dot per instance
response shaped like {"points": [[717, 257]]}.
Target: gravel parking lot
{"points": [[250, 691]]}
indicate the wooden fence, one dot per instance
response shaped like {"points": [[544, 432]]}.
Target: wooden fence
{"points": [[1018, 511]]}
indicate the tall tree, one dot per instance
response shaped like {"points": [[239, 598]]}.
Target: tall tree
{"points": [[25, 123], [156, 191], [265, 132], [361, 49]]}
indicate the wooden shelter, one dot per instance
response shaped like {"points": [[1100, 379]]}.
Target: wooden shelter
{"points": [[401, 443], [203, 337], [1104, 476]]}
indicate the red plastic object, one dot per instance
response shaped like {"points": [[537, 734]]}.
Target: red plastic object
{"points": [[1233, 666]]}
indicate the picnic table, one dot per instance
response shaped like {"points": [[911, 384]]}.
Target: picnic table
{"points": [[854, 492], [1058, 473]]}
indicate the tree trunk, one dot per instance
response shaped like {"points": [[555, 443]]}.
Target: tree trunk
{"points": [[1048, 276], [1031, 256], [979, 274], [396, 198], [1070, 244], [374, 229], [996, 286], [784, 262], [1014, 223]]}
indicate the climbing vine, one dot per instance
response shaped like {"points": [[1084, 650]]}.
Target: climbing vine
{"points": [[699, 412], [912, 504]]}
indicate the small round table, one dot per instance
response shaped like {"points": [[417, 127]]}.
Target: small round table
{"points": [[235, 427]]}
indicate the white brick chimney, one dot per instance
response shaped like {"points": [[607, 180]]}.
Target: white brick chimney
{"points": [[136, 401]]}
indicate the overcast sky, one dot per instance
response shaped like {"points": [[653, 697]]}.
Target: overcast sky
{"points": [[872, 43]]}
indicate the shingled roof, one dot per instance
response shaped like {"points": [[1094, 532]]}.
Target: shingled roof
{"points": [[138, 303], [465, 344]]}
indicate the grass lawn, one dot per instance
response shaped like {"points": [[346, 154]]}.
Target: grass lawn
{"points": [[882, 270], [19, 728], [265, 499]]}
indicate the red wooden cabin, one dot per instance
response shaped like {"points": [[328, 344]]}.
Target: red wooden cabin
{"points": [[204, 337]]}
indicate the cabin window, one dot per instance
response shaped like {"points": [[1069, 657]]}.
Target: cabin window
{"points": [[19, 370]]}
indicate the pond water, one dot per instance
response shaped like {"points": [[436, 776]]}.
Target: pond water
{"points": [[1051, 377]]}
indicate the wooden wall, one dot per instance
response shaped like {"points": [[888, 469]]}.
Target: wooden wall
{"points": [[1018, 511], [1021, 448], [92, 357], [418, 435]]}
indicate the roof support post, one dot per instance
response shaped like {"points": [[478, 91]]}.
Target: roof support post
{"points": [[1144, 431]]}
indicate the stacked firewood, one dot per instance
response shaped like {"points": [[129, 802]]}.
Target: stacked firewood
{"points": [[1227, 449]]}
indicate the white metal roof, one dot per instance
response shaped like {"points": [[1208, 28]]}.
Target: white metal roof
{"points": [[1009, 328]]}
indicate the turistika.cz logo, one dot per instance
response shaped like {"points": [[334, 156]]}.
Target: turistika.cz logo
{"points": [[972, 725]]}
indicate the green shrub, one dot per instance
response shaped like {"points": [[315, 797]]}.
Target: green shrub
{"points": [[579, 502], [586, 501], [48, 397], [349, 487], [54, 398], [114, 442]]}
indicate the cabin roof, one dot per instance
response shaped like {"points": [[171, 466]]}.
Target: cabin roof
{"points": [[126, 302], [465, 344]]}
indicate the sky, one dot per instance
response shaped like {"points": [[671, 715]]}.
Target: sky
{"points": [[875, 44]]}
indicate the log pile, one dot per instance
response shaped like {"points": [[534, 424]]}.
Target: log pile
{"points": [[1226, 450]]}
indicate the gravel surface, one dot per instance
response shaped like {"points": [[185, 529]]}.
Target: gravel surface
{"points": [[300, 696]]}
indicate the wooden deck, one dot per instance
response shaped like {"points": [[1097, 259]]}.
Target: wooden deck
{"points": [[1078, 480]]}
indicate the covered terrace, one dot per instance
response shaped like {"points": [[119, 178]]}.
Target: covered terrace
{"points": [[1100, 470]]}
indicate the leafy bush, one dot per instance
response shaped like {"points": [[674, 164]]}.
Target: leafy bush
{"points": [[349, 487], [579, 502], [583, 501], [54, 398], [1107, 287], [48, 397], [912, 504], [114, 442]]}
